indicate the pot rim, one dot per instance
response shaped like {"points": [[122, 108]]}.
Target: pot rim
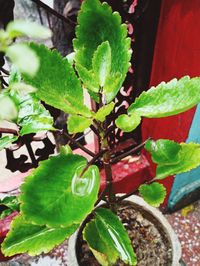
{"points": [[173, 239]]}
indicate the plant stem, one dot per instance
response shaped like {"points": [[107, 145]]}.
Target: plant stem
{"points": [[101, 196], [9, 131], [53, 12], [96, 157], [78, 144], [125, 154], [108, 172]]}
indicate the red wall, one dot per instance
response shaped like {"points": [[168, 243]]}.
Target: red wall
{"points": [[177, 53]]}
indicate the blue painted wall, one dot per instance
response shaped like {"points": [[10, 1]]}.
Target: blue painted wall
{"points": [[187, 182]]}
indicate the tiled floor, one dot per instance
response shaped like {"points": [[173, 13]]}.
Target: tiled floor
{"points": [[186, 224]]}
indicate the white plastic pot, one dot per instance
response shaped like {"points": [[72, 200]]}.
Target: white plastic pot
{"points": [[158, 220]]}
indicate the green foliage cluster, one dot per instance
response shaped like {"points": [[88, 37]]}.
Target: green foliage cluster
{"points": [[57, 196]]}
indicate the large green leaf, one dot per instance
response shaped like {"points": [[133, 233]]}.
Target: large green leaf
{"points": [[24, 58], [56, 194], [6, 141], [105, 255], [189, 158], [114, 235], [101, 63], [106, 27], [77, 123], [57, 82], [128, 122], [163, 151], [154, 194], [33, 239], [168, 99], [19, 28], [104, 111]]}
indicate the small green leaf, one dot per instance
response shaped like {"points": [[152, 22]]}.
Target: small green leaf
{"points": [[32, 116], [10, 202], [19, 28], [107, 28], [105, 255], [57, 82], [8, 110], [24, 58], [15, 76], [33, 239], [101, 63], [76, 123], [87, 78], [154, 194], [56, 194], [5, 40], [5, 213], [112, 82], [168, 99], [104, 111], [163, 151], [66, 150], [128, 122], [189, 158], [6, 141], [114, 235]]}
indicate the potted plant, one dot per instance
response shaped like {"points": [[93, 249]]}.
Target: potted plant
{"points": [[62, 194]]}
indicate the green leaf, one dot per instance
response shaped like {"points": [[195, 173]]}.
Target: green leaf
{"points": [[6, 141], [57, 82], [56, 194], [24, 58], [33, 239], [154, 194], [104, 111], [66, 150], [164, 151], [114, 235], [105, 255], [101, 63], [32, 115], [168, 99], [15, 76], [77, 123], [110, 85], [9, 205], [19, 28], [5, 40], [8, 110], [107, 27], [22, 88], [5, 213], [189, 158], [10, 202], [87, 78], [128, 122], [94, 96]]}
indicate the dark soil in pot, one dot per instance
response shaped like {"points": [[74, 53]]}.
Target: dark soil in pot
{"points": [[150, 242]]}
